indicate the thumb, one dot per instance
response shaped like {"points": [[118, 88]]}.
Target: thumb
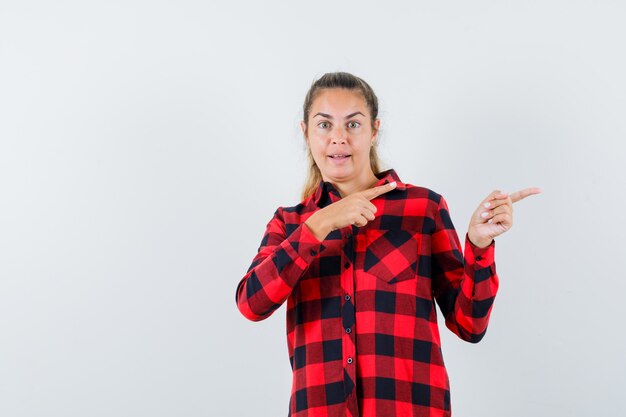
{"points": [[491, 196]]}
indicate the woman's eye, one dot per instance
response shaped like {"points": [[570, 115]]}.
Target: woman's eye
{"points": [[354, 123], [322, 124]]}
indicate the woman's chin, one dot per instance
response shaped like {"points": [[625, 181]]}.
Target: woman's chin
{"points": [[338, 173]]}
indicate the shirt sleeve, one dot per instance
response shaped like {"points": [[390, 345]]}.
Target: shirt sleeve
{"points": [[277, 267], [464, 285]]}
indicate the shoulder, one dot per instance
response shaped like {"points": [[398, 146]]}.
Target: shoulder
{"points": [[302, 208], [426, 196], [291, 216]]}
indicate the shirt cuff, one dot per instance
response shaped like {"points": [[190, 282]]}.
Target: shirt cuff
{"points": [[305, 244], [482, 256]]}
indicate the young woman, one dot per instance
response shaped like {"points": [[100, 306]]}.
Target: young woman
{"points": [[361, 261]]}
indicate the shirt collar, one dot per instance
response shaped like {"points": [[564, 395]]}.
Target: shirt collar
{"points": [[327, 189]]}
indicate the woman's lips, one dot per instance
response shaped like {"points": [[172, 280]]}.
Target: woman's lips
{"points": [[339, 159]]}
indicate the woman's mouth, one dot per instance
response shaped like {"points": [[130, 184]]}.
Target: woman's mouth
{"points": [[339, 156], [339, 159]]}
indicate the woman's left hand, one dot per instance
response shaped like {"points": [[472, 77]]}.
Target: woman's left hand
{"points": [[498, 219]]}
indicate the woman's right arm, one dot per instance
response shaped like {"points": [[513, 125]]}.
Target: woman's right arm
{"points": [[281, 261]]}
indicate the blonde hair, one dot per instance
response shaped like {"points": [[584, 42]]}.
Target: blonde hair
{"points": [[337, 80]]}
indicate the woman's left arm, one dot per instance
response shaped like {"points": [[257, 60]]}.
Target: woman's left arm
{"points": [[465, 283]]}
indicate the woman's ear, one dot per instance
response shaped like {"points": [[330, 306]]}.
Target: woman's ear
{"points": [[303, 127], [375, 133]]}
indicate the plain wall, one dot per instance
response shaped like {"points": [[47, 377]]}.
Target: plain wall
{"points": [[145, 145]]}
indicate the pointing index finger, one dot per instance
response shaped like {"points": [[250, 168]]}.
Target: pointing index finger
{"points": [[373, 192], [518, 195]]}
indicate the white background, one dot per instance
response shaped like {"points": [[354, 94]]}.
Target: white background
{"points": [[144, 145]]}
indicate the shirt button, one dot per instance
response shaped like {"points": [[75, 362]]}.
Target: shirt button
{"points": [[349, 236], [349, 360], [348, 330], [347, 297], [313, 252], [346, 265], [478, 258]]}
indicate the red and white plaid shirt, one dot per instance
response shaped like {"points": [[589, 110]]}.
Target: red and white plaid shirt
{"points": [[362, 330]]}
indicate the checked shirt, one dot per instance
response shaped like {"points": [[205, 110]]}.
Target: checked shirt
{"points": [[361, 322]]}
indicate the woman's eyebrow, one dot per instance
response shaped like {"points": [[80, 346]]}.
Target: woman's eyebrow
{"points": [[347, 117]]}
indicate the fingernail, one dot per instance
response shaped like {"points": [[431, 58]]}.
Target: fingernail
{"points": [[393, 183], [485, 214], [487, 204]]}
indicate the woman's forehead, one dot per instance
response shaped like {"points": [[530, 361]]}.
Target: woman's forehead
{"points": [[339, 102]]}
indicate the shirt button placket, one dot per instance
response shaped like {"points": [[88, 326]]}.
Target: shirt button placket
{"points": [[348, 314]]}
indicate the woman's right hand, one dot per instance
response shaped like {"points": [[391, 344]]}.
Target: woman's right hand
{"points": [[354, 209]]}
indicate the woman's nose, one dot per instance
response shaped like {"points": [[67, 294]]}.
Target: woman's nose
{"points": [[339, 136]]}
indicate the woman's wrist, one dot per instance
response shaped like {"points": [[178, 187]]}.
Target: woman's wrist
{"points": [[318, 226], [478, 243]]}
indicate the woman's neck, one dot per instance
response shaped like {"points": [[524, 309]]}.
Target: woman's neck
{"points": [[345, 189]]}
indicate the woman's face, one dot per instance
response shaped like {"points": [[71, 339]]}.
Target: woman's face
{"points": [[340, 135]]}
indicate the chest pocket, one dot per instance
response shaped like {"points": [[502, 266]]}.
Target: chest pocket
{"points": [[392, 255]]}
